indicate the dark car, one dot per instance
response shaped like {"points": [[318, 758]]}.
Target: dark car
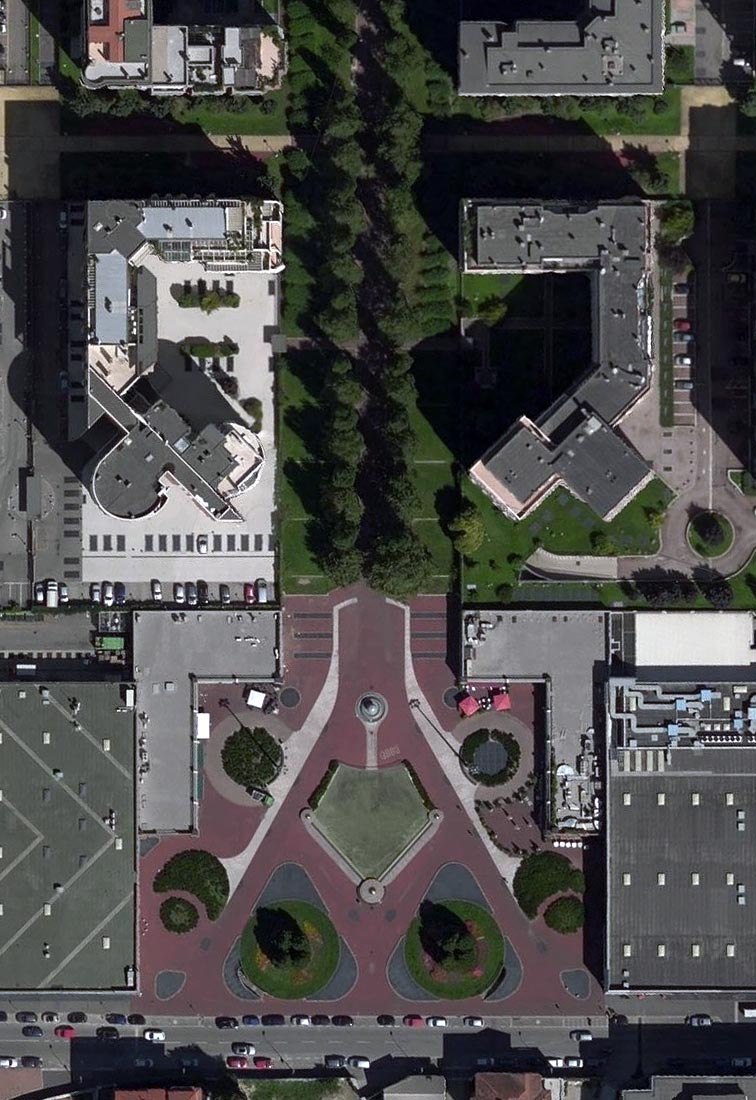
{"points": [[342, 1021], [226, 1022], [386, 1021], [251, 1021], [116, 1018], [274, 1020], [32, 1031], [31, 1061], [3, 1017], [107, 1033], [77, 1017], [26, 1017], [320, 1020], [334, 1061], [119, 593], [203, 593], [138, 1019]]}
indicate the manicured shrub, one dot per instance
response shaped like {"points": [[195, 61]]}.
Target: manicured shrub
{"points": [[199, 873], [540, 876], [566, 915], [252, 758], [178, 915]]}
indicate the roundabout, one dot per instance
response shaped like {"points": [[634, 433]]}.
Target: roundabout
{"points": [[710, 534]]}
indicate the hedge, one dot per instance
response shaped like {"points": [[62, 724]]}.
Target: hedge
{"points": [[208, 301], [199, 873], [540, 876], [252, 758], [178, 915], [566, 914], [473, 742], [206, 349], [418, 786]]}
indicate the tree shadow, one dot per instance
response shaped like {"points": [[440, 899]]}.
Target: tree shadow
{"points": [[444, 936], [280, 937]]}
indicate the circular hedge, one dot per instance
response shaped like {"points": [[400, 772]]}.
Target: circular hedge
{"points": [[252, 758], [566, 914], [178, 915], [710, 534], [540, 876], [454, 949], [199, 873], [476, 741], [290, 949]]}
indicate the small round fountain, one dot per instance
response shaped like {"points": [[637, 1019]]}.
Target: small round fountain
{"points": [[371, 708]]}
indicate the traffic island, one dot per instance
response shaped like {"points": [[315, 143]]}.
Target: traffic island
{"points": [[710, 534]]}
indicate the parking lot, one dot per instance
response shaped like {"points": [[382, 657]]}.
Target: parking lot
{"points": [[683, 352]]}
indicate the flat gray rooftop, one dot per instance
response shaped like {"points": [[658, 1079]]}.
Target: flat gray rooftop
{"points": [[573, 442], [677, 863], [610, 48], [171, 649], [67, 866]]}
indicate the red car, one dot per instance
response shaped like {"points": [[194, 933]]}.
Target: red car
{"points": [[414, 1021], [65, 1031], [681, 325], [235, 1061], [262, 1063], [249, 593]]}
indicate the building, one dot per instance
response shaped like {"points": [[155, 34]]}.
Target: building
{"points": [[173, 1092], [428, 1086], [681, 802], [574, 444], [609, 48], [67, 826], [126, 48], [695, 1088], [172, 307]]}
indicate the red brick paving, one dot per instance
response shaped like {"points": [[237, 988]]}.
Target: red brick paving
{"points": [[372, 658]]}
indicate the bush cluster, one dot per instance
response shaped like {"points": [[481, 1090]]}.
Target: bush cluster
{"points": [[540, 876], [207, 349], [565, 914], [207, 300], [199, 873], [178, 915], [251, 757]]}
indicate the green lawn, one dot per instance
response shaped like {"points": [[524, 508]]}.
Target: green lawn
{"points": [[203, 111], [486, 966], [291, 982], [680, 65], [34, 73], [67, 67], [708, 549], [607, 120], [563, 525], [370, 816]]}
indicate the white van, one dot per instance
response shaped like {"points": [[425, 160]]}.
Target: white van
{"points": [[51, 594]]}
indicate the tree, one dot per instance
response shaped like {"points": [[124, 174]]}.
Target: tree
{"points": [[603, 543], [748, 102], [709, 528], [400, 564], [718, 592], [676, 221], [467, 529], [445, 937], [565, 915], [280, 937]]}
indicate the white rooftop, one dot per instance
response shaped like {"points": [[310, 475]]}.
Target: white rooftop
{"points": [[695, 638]]}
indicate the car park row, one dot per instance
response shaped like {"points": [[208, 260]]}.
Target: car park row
{"points": [[52, 593]]}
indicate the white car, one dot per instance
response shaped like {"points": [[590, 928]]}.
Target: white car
{"points": [[201, 544], [143, 1063], [472, 1021], [573, 1062], [437, 1021], [301, 1021], [107, 593], [358, 1061], [178, 593], [8, 1063], [95, 593], [157, 592], [39, 591], [700, 1019], [154, 1035], [63, 592], [556, 1063], [581, 1035]]}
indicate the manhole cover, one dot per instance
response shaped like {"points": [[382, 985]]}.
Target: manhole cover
{"points": [[290, 697], [450, 698]]}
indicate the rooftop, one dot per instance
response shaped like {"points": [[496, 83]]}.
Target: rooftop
{"points": [[67, 822], [574, 443], [610, 48]]}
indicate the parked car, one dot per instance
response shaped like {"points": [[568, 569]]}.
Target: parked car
{"points": [[32, 1031], [65, 1031], [412, 1020], [682, 324], [581, 1035], [386, 1020], [251, 1021], [249, 593], [77, 1017], [320, 1020], [699, 1019], [143, 1063], [260, 1062], [334, 1061], [63, 592], [52, 593], [154, 1035], [203, 593], [119, 592], [437, 1021], [681, 288], [26, 1017], [107, 593], [261, 590], [201, 544], [39, 591], [225, 594], [157, 591], [301, 1020], [342, 1021], [49, 1017], [685, 337], [472, 1021], [226, 1022], [95, 593], [741, 1063], [273, 1019], [115, 1018], [358, 1061], [243, 1048], [737, 278], [137, 1019], [235, 1061], [31, 1061], [573, 1062], [683, 384], [8, 1062], [107, 1033], [683, 361], [556, 1063], [178, 593], [191, 594]]}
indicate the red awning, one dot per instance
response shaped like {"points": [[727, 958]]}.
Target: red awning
{"points": [[469, 705], [502, 700]]}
